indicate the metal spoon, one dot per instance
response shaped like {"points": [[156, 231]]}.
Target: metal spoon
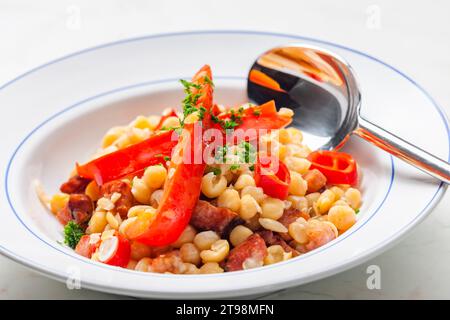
{"points": [[322, 89]]}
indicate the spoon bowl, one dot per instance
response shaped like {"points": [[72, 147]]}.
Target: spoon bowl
{"points": [[322, 89]]}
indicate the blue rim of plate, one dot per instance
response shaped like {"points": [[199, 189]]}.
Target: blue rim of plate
{"points": [[23, 259]]}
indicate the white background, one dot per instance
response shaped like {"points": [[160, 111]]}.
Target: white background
{"points": [[413, 36]]}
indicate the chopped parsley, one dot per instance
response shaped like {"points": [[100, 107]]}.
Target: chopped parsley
{"points": [[221, 153], [191, 99], [160, 155], [234, 166], [252, 167], [72, 234], [201, 112], [248, 152], [214, 170], [208, 81], [356, 211], [257, 113]]}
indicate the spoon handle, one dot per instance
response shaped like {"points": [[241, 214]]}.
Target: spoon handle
{"points": [[404, 150]]}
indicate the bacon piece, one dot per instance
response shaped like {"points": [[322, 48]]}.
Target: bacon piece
{"points": [[170, 262], [75, 184], [209, 217], [319, 233], [126, 200], [252, 252], [315, 179], [79, 208], [290, 215], [272, 239]]}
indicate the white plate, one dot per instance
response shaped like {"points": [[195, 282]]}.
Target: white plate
{"points": [[56, 114]]}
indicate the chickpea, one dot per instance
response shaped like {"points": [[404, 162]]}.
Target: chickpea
{"points": [[154, 176], [218, 252], [249, 207], [343, 217], [229, 199], [312, 198], [297, 231], [243, 181], [256, 193], [205, 239], [189, 253], [212, 185], [211, 267], [299, 165], [353, 197], [276, 254], [325, 201], [141, 191], [272, 208], [299, 203], [298, 185], [239, 234], [188, 235]]}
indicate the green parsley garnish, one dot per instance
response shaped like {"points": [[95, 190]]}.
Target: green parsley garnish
{"points": [[170, 128], [248, 154], [257, 113], [356, 211], [221, 153], [191, 99], [252, 167], [214, 170], [208, 81], [72, 234], [234, 166], [166, 158], [201, 113]]}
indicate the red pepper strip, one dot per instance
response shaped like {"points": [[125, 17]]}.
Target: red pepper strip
{"points": [[264, 80], [338, 167], [255, 118], [170, 113], [275, 182], [264, 116], [129, 160], [182, 187], [115, 251]]}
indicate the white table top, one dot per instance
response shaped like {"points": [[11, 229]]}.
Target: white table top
{"points": [[400, 33]]}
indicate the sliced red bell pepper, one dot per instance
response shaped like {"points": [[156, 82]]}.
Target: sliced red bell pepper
{"points": [[252, 119], [183, 184], [168, 114], [115, 251], [264, 116], [338, 167], [130, 160], [274, 181]]}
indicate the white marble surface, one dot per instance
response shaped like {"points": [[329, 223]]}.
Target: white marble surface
{"points": [[411, 35]]}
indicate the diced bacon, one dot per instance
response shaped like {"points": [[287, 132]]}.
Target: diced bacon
{"points": [[250, 252], [126, 200], [75, 184], [272, 239], [209, 217], [79, 208], [170, 262], [290, 215]]}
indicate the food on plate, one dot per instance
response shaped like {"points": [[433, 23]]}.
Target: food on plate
{"points": [[209, 189]]}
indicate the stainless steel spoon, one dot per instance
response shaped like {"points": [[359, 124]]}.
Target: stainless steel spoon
{"points": [[322, 89]]}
